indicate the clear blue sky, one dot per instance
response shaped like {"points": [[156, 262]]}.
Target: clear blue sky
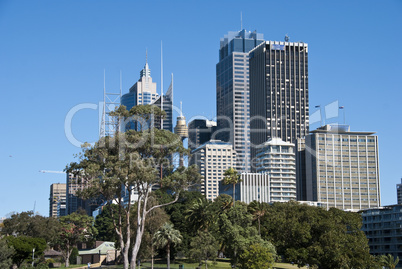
{"points": [[53, 53]]}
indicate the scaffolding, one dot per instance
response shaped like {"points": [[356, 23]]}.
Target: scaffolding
{"points": [[111, 100]]}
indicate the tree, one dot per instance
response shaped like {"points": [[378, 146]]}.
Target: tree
{"points": [[133, 162], [29, 224], [23, 247], [204, 247], [104, 224], [6, 254], [389, 261], [258, 210], [236, 232], [257, 256], [167, 236], [231, 177], [312, 235], [199, 214], [76, 228]]}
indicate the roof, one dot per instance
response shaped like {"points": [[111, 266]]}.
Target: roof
{"points": [[102, 249], [52, 252]]}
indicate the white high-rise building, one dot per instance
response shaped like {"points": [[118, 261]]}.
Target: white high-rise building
{"points": [[213, 159], [277, 158]]}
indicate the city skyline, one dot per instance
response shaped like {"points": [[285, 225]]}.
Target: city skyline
{"points": [[54, 55]]}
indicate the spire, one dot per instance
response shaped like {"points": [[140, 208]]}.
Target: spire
{"points": [[145, 72]]}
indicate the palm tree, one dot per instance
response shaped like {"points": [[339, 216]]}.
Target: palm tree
{"points": [[258, 210], [389, 261], [199, 214], [231, 177], [167, 236]]}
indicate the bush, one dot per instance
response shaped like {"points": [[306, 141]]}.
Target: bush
{"points": [[73, 256]]}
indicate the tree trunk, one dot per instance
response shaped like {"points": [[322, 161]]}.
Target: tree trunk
{"points": [[68, 256], [168, 256], [259, 226], [206, 264], [234, 194], [152, 256]]}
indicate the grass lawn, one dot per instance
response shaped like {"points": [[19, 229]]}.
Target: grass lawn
{"points": [[219, 265]]}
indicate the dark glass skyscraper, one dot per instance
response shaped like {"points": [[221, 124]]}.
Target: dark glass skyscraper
{"points": [[278, 92], [232, 93]]}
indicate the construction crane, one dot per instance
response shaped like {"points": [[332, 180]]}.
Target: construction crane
{"points": [[54, 172]]}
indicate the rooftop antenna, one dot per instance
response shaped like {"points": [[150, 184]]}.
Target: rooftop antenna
{"points": [[121, 81], [286, 38], [146, 55], [161, 85], [181, 109], [241, 20]]}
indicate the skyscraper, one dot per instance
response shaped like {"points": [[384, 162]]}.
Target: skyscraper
{"points": [[213, 159], [277, 158], [57, 200], [232, 93], [143, 92], [342, 168], [278, 92]]}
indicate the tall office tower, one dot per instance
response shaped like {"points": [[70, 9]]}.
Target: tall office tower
{"points": [[73, 202], [278, 92], [143, 92], [301, 169], [232, 93], [215, 157], [277, 158], [57, 200], [167, 106], [200, 131], [399, 192], [342, 168]]}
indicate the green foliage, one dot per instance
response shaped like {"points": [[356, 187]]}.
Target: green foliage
{"points": [[167, 236], [23, 246], [6, 254], [73, 256], [204, 247], [257, 256], [76, 228], [231, 177], [134, 162], [28, 224], [388, 261], [104, 224], [311, 235], [235, 231]]}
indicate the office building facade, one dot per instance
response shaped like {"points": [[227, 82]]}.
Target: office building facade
{"points": [[200, 131], [213, 159], [252, 187], [233, 93], [399, 192], [383, 229], [277, 158], [57, 200], [279, 105], [342, 168]]}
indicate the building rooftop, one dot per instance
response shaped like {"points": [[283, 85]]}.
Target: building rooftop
{"points": [[338, 129]]}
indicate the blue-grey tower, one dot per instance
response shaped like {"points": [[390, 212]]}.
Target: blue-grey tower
{"points": [[233, 93]]}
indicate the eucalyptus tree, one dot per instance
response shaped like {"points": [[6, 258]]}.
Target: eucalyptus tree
{"points": [[133, 163]]}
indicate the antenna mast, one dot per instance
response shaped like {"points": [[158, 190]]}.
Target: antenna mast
{"points": [[241, 20], [161, 85]]}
